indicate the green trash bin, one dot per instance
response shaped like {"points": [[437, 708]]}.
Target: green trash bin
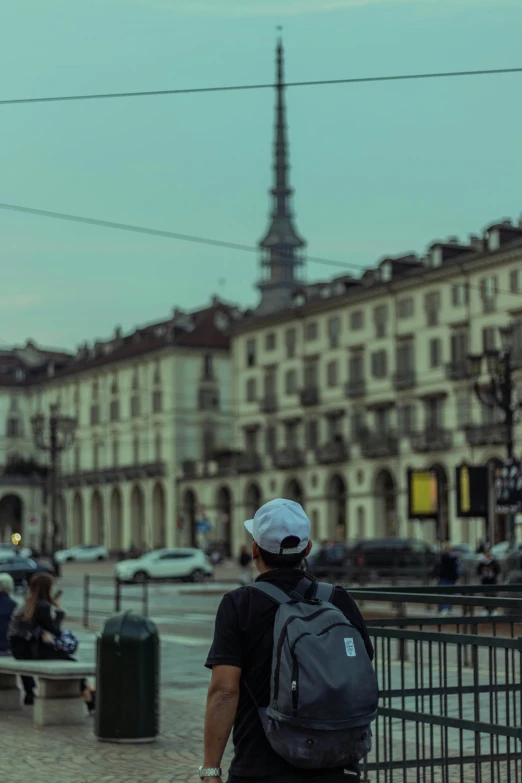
{"points": [[127, 680]]}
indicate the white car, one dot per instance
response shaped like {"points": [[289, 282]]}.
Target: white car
{"points": [[86, 553], [187, 564]]}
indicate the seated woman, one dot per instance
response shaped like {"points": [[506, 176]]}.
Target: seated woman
{"points": [[34, 629], [7, 607]]}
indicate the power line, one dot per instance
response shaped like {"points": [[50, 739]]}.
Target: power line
{"points": [[193, 238], [159, 233], [245, 87]]}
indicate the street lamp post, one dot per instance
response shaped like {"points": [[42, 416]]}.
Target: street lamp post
{"points": [[499, 393], [59, 436]]}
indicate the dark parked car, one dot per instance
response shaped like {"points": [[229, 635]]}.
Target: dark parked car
{"points": [[23, 568], [332, 558], [379, 558]]}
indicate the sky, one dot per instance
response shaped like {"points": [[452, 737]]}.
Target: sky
{"points": [[378, 169]]}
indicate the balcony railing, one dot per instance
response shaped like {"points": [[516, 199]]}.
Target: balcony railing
{"points": [[355, 388], [248, 463], [379, 444], [486, 434], [309, 396], [457, 370], [406, 379], [269, 404], [333, 451], [432, 439], [291, 457], [115, 475]]}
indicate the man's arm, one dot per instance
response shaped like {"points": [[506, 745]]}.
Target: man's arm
{"points": [[222, 701]]}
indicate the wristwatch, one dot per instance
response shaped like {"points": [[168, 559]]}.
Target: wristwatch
{"points": [[210, 772]]}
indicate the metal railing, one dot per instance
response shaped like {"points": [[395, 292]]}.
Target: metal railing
{"points": [[444, 714]]}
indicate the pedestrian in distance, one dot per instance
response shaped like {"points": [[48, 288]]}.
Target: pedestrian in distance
{"points": [[449, 572], [245, 566], [292, 671], [35, 633], [7, 607], [488, 570]]}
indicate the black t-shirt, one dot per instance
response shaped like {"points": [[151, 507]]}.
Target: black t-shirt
{"points": [[244, 638]]}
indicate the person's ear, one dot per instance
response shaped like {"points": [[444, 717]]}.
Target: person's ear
{"points": [[255, 551], [308, 548]]}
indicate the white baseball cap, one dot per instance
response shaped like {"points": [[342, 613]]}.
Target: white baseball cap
{"points": [[276, 520]]}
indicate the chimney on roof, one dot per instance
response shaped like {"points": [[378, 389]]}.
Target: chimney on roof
{"points": [[117, 332], [453, 240], [476, 241]]}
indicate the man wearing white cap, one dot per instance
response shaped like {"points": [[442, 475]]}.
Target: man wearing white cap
{"points": [[241, 655]]}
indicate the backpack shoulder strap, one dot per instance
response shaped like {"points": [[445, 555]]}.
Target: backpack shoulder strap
{"points": [[271, 591], [324, 592]]}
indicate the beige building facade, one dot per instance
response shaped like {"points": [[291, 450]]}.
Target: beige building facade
{"points": [[361, 379], [144, 405]]}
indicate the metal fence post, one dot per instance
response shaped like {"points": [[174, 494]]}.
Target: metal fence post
{"points": [[117, 595], [86, 587], [402, 644], [145, 599]]}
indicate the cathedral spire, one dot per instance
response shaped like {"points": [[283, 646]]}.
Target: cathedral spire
{"points": [[281, 243]]}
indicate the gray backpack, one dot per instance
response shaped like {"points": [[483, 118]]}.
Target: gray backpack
{"points": [[323, 690]]}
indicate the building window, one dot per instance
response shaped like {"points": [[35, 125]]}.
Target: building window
{"points": [[115, 453], [270, 440], [462, 404], [332, 374], [270, 341], [357, 320], [491, 416], [291, 434], [77, 458], [358, 425], [208, 368], [269, 383], [251, 353], [157, 401], [251, 390], [459, 294], [379, 362], [13, 427], [434, 413], [488, 293], [135, 406], [95, 391], [115, 410], [96, 454], [135, 379], [250, 438], [95, 415], [356, 367], [432, 307], [311, 434], [334, 331], [405, 358], [380, 319], [406, 416], [489, 338], [291, 382], [290, 342], [405, 307], [136, 450], [310, 375], [156, 378], [14, 404], [208, 399], [382, 422], [459, 347], [158, 447], [515, 280], [311, 331], [114, 384], [209, 444], [335, 427], [435, 352]]}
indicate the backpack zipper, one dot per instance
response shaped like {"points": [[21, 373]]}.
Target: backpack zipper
{"points": [[295, 684], [283, 636]]}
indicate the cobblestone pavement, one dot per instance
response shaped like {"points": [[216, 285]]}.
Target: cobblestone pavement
{"points": [[74, 755]]}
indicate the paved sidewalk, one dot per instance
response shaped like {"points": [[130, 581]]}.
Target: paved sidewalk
{"points": [[74, 755]]}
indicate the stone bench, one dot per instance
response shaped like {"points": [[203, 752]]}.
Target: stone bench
{"points": [[58, 701]]}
